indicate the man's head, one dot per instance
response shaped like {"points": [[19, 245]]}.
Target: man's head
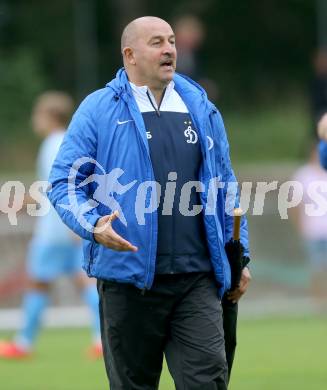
{"points": [[52, 111], [149, 52]]}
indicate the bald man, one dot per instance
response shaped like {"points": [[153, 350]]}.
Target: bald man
{"points": [[152, 146]]}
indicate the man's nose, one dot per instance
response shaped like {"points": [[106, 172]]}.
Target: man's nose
{"points": [[169, 48]]}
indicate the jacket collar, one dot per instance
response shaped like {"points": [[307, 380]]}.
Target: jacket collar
{"points": [[189, 90], [193, 95]]}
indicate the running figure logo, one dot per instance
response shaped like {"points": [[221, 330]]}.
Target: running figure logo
{"points": [[190, 134], [105, 193]]}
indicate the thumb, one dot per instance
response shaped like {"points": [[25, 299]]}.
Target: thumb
{"points": [[114, 215], [106, 218]]}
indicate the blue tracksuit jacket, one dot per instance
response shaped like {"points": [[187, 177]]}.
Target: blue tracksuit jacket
{"points": [[107, 132]]}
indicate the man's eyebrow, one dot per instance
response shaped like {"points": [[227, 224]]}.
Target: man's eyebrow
{"points": [[160, 37]]}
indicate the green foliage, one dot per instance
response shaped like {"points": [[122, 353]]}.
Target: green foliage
{"points": [[259, 47], [21, 80], [250, 46], [255, 51], [279, 132]]}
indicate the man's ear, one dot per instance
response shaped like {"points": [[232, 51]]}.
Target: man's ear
{"points": [[129, 55]]}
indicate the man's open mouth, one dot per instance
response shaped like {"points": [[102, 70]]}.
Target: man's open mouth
{"points": [[167, 64]]}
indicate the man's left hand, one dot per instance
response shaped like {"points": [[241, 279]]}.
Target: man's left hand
{"points": [[237, 293]]}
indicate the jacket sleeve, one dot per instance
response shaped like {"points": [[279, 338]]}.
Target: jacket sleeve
{"points": [[322, 149], [228, 177], [72, 165]]}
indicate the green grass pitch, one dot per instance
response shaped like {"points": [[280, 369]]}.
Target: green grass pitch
{"points": [[273, 354]]}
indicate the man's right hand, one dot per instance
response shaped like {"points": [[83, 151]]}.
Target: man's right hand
{"points": [[104, 234]]}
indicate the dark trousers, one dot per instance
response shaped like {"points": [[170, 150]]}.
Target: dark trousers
{"points": [[230, 311], [181, 317]]}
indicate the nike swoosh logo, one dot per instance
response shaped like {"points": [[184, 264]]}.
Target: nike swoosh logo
{"points": [[122, 122]]}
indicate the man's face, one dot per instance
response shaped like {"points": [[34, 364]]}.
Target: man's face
{"points": [[155, 54]]}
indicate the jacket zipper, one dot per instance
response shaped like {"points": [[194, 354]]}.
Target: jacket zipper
{"points": [[157, 109], [147, 281], [148, 273]]}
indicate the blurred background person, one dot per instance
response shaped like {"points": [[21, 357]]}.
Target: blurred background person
{"points": [[318, 92], [190, 34], [313, 229], [54, 249]]}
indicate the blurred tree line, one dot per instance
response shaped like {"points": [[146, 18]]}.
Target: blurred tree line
{"points": [[254, 50]]}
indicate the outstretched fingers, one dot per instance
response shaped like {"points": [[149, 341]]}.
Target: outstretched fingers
{"points": [[105, 234]]}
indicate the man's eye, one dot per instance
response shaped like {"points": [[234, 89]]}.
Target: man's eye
{"points": [[155, 43]]}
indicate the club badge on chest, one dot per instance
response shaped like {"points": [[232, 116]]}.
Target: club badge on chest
{"points": [[190, 134]]}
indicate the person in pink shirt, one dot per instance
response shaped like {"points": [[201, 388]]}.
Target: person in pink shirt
{"points": [[312, 222]]}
